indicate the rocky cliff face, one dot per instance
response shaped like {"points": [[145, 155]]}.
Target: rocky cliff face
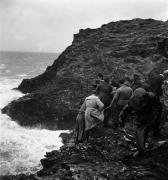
{"points": [[119, 49]]}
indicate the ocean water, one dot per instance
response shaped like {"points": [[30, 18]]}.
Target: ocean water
{"points": [[22, 148]]}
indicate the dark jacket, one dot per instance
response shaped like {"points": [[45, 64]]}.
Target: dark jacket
{"points": [[136, 84], [143, 106], [104, 92]]}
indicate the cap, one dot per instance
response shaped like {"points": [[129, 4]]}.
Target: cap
{"points": [[137, 97]]}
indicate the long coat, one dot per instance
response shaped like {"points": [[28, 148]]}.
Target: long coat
{"points": [[94, 112], [80, 123]]}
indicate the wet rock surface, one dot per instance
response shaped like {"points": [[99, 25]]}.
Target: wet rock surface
{"points": [[118, 48], [106, 156]]}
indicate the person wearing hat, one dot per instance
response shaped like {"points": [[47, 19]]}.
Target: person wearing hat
{"points": [[142, 103], [94, 113], [165, 96], [120, 99], [155, 82]]}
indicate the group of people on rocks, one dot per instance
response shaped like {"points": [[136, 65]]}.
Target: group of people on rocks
{"points": [[112, 102]]}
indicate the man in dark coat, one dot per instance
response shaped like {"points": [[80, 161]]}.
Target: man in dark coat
{"points": [[104, 91], [142, 103], [155, 82]]}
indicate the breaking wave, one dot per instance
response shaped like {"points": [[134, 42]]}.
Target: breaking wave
{"points": [[22, 148]]}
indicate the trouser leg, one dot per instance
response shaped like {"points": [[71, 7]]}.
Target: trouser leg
{"points": [[115, 116], [79, 127], [140, 138], [107, 115]]}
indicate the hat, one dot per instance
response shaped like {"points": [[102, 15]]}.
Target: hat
{"points": [[137, 97], [139, 92]]}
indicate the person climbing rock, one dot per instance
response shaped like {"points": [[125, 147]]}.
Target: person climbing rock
{"points": [[142, 103], [155, 82], [120, 99], [104, 91], [90, 114], [93, 113]]}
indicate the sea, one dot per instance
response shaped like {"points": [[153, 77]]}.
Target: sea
{"points": [[22, 148]]}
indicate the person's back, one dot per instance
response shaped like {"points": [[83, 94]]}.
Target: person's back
{"points": [[125, 93], [143, 104], [92, 102], [94, 112], [104, 91], [120, 99], [155, 85]]}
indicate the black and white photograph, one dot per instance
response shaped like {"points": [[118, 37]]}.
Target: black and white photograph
{"points": [[83, 89]]}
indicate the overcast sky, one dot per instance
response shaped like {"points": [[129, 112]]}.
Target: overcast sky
{"points": [[49, 25]]}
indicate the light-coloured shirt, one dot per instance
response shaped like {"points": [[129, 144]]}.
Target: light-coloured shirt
{"points": [[94, 112], [122, 95]]}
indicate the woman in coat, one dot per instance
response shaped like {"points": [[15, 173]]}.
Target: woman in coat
{"points": [[90, 114], [94, 112]]}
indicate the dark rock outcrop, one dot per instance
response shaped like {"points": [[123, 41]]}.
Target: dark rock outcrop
{"points": [[108, 160], [119, 48]]}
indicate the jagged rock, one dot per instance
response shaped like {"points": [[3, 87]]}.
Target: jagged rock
{"points": [[118, 48], [106, 156], [19, 177]]}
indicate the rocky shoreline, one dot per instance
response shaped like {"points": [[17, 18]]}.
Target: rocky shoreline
{"points": [[120, 49], [109, 160], [117, 49]]}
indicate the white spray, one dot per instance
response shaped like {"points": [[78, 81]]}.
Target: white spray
{"points": [[21, 148]]}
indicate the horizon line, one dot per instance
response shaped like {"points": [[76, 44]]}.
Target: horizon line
{"points": [[30, 51]]}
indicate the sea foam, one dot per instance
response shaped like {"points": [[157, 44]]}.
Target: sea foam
{"points": [[22, 148]]}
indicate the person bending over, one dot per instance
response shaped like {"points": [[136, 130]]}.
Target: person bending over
{"points": [[143, 104]]}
